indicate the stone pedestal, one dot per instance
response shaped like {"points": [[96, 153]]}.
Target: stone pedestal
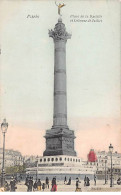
{"points": [[60, 140]]}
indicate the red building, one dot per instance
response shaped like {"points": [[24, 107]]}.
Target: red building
{"points": [[92, 156]]}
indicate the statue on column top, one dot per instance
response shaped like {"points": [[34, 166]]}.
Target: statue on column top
{"points": [[59, 7]]}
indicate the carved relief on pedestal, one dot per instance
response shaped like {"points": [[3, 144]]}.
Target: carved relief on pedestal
{"points": [[68, 143], [53, 143]]}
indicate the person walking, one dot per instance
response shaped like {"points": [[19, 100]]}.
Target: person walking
{"points": [[30, 184], [119, 181], [88, 182], [6, 186], [12, 185], [39, 185], [47, 182], [35, 186], [65, 180], [70, 181], [43, 186], [78, 185], [54, 185], [27, 183], [85, 181], [95, 180], [53, 181]]}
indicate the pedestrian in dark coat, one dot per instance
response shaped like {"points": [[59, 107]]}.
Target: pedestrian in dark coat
{"points": [[85, 181], [54, 186], [35, 186], [27, 181], [12, 185], [65, 180], [39, 185], [43, 186], [47, 182], [88, 182], [53, 181], [30, 185], [78, 185], [95, 180]]}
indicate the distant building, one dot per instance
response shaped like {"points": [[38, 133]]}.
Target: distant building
{"points": [[12, 158], [104, 164], [30, 161], [101, 163], [104, 157]]}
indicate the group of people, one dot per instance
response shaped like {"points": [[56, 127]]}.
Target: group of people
{"points": [[10, 186], [38, 185], [86, 181]]}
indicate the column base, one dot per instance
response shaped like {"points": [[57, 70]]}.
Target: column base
{"points": [[58, 152], [59, 141]]}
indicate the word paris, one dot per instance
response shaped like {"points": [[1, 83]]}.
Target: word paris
{"points": [[85, 18], [32, 16]]}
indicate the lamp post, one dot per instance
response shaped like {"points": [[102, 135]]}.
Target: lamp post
{"points": [[111, 151], [105, 170], [37, 168], [4, 127]]}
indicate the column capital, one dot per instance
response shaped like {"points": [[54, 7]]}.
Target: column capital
{"points": [[59, 32]]}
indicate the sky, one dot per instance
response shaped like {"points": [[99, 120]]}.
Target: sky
{"points": [[93, 73]]}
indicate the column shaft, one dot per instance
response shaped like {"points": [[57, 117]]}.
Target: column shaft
{"points": [[60, 97]]}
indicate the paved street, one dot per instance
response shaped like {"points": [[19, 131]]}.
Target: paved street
{"points": [[71, 188]]}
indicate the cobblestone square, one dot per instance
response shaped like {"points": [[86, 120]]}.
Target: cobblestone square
{"points": [[61, 187]]}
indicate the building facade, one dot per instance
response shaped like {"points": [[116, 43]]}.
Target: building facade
{"points": [[102, 164], [30, 161], [12, 158]]}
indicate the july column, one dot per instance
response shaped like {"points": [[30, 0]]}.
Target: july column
{"points": [[60, 37]]}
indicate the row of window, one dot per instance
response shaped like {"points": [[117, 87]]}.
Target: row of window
{"points": [[114, 170], [59, 159], [92, 163], [108, 161]]}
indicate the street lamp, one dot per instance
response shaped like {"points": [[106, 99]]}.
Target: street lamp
{"points": [[4, 127], [111, 151], [37, 168], [105, 170]]}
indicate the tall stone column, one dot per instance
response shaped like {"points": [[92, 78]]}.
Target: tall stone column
{"points": [[60, 37], [59, 139]]}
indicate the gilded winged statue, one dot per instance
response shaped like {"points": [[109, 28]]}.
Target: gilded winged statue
{"points": [[59, 7]]}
